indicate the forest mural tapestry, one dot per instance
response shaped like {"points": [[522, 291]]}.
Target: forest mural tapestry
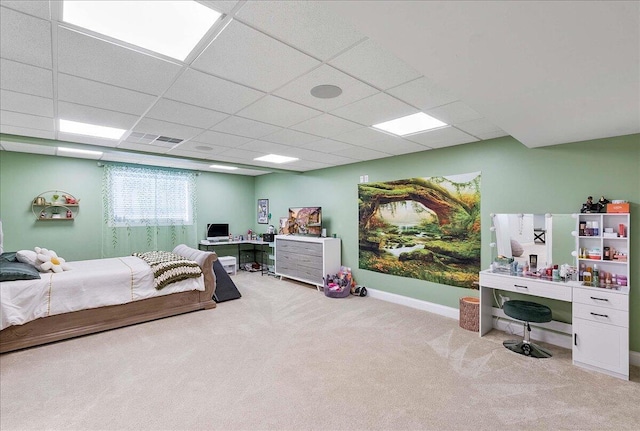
{"points": [[424, 228]]}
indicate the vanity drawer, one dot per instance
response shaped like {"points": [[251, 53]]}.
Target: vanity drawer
{"points": [[545, 289], [601, 314], [601, 298]]}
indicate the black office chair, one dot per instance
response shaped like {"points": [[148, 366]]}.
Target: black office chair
{"points": [[527, 311]]}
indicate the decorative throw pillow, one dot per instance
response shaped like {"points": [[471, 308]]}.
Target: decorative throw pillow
{"points": [[28, 256], [516, 248], [9, 256], [48, 260], [10, 271]]}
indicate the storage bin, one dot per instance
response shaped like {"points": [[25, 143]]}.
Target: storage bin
{"points": [[470, 313], [228, 263]]}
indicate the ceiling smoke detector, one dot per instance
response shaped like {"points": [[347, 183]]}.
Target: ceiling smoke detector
{"points": [[326, 91]]}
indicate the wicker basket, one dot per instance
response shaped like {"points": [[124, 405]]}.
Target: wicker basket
{"points": [[470, 313]]}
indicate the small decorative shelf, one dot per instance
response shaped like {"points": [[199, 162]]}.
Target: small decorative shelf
{"points": [[55, 205]]}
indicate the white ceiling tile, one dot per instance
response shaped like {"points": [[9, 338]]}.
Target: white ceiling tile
{"points": [[190, 115], [25, 38], [24, 78], [244, 155], [204, 90], [375, 109], [328, 146], [359, 153], [423, 94], [91, 93], [197, 149], [395, 146], [91, 115], [26, 103], [291, 137], [143, 147], [220, 139], [372, 64], [37, 8], [26, 131], [491, 135], [300, 90], [90, 140], [17, 119], [113, 64], [277, 111], [326, 125], [291, 22], [224, 6], [245, 127], [19, 147], [265, 147], [477, 127], [454, 113], [306, 165], [319, 155], [362, 136], [165, 128], [443, 137], [249, 65]]}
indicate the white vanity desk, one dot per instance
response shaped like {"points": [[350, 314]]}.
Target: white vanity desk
{"points": [[600, 328]]}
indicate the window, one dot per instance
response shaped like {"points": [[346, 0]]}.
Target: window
{"points": [[137, 196]]}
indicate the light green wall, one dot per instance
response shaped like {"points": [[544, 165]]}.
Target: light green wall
{"points": [[222, 198], [515, 179]]}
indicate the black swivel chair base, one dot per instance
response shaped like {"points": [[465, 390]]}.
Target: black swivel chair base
{"points": [[527, 348]]}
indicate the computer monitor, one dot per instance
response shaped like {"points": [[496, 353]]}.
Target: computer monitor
{"points": [[217, 231]]}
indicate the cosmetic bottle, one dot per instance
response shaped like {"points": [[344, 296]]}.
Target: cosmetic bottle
{"points": [[595, 276], [596, 229]]}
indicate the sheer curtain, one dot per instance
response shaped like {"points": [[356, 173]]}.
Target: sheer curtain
{"points": [[147, 209]]}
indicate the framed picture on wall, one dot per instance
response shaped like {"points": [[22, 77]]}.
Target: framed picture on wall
{"points": [[263, 211]]}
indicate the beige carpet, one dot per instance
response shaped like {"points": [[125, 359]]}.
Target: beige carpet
{"points": [[285, 357]]}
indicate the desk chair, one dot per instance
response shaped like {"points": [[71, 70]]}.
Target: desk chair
{"points": [[526, 312]]}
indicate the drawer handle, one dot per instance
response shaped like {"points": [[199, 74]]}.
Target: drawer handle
{"points": [[575, 339], [601, 315], [599, 299], [519, 286]]}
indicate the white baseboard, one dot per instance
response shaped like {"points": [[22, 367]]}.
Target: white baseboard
{"points": [[556, 333], [442, 310]]}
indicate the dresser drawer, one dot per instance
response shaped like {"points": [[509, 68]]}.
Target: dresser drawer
{"points": [[529, 286], [601, 314], [601, 298]]}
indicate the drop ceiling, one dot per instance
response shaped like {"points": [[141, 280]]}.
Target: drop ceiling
{"points": [[244, 92]]}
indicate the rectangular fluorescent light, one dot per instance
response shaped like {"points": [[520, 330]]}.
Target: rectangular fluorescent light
{"points": [[274, 158], [414, 123], [79, 151], [172, 28], [87, 129], [227, 168]]}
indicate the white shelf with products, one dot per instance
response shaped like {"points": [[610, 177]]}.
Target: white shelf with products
{"points": [[600, 316], [55, 205]]}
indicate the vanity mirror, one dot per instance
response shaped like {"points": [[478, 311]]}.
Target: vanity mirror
{"points": [[546, 235]]}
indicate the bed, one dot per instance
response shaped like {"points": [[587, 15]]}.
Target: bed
{"points": [[63, 305]]}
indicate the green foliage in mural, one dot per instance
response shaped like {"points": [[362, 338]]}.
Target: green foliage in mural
{"points": [[423, 228]]}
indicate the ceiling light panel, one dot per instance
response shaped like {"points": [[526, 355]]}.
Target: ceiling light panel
{"points": [[410, 124], [171, 28], [275, 158], [77, 128]]}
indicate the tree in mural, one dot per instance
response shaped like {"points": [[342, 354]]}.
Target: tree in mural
{"points": [[424, 228]]}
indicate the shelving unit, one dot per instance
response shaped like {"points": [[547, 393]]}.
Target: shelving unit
{"points": [[600, 313], [54, 205]]}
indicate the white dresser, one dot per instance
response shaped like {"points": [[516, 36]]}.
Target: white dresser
{"points": [[306, 259]]}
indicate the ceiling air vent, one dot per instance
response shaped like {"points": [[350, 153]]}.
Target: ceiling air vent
{"points": [[169, 140]]}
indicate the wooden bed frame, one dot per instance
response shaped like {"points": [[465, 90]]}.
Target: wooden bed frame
{"points": [[69, 325]]}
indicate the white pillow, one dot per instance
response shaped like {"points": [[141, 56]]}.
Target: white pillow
{"points": [[27, 256]]}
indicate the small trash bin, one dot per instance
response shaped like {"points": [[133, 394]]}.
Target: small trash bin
{"points": [[470, 313]]}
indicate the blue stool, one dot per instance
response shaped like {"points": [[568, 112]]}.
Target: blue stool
{"points": [[527, 311]]}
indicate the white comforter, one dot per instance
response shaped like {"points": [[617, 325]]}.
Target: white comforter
{"points": [[90, 284]]}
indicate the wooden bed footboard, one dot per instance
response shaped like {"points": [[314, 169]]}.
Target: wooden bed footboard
{"points": [[69, 325]]}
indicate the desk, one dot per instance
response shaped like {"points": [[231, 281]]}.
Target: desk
{"points": [[257, 246], [600, 328]]}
